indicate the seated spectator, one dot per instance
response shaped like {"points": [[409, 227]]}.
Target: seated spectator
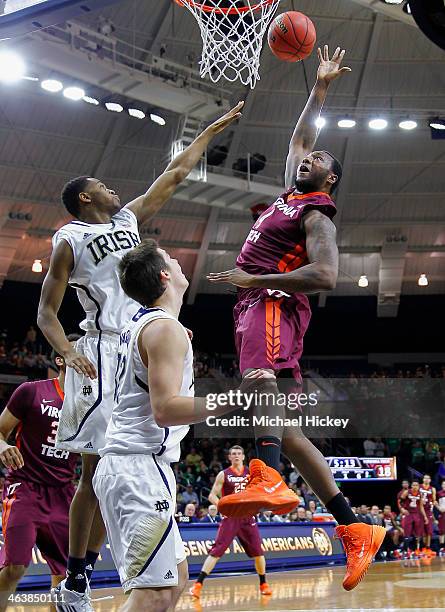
{"points": [[293, 516], [309, 515], [189, 496], [380, 448], [188, 477], [375, 515], [309, 496], [189, 515], [30, 360], [193, 458], [301, 515], [268, 517], [212, 515], [363, 515], [369, 447]]}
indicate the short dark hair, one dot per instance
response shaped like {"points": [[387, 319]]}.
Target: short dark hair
{"points": [[70, 194], [236, 447], [54, 353], [140, 272], [337, 169]]}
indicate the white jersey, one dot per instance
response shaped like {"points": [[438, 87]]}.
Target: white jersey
{"points": [[97, 249], [132, 428]]}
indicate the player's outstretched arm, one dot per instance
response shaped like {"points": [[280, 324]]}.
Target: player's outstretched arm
{"points": [[318, 275], [216, 492], [163, 346], [305, 132], [147, 205], [53, 290], [10, 456]]}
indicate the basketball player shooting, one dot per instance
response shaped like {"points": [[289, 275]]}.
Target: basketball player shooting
{"points": [[85, 255], [230, 481], [290, 252]]}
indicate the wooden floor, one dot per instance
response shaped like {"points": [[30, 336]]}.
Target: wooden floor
{"points": [[408, 586]]}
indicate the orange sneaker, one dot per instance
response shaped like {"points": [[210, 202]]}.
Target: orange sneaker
{"points": [[266, 490], [361, 542], [265, 589], [195, 590]]}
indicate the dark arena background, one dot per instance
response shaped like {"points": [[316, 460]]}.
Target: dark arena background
{"points": [[112, 89]]}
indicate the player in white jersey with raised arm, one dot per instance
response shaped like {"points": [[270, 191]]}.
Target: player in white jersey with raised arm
{"points": [[85, 256], [154, 405]]}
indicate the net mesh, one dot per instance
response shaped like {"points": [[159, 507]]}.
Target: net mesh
{"points": [[232, 37]]}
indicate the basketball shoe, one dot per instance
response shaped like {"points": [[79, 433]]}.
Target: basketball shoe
{"points": [[265, 589], [361, 542], [195, 589], [266, 490], [70, 601]]}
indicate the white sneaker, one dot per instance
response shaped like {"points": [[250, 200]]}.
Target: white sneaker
{"points": [[71, 601]]}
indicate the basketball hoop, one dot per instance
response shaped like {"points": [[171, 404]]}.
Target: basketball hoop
{"points": [[232, 36]]}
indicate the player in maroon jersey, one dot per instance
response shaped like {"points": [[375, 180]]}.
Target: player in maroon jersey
{"points": [[402, 503], [38, 488], [290, 252], [414, 521], [233, 480], [440, 505], [428, 497]]}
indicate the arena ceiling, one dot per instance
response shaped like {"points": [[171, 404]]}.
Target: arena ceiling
{"points": [[391, 218]]}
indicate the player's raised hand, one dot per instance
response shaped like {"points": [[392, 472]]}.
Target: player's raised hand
{"points": [[11, 457], [80, 363], [220, 124], [330, 69], [236, 277]]}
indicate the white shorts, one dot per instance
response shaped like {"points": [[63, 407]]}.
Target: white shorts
{"points": [[88, 403], [136, 502]]}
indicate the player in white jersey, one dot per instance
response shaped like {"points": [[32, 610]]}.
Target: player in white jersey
{"points": [[85, 255], [154, 405]]}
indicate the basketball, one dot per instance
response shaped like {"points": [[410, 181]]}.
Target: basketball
{"points": [[291, 36]]}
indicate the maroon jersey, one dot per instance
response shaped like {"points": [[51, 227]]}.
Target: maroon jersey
{"points": [[441, 499], [277, 242], [234, 482], [427, 497], [38, 405], [403, 503], [414, 501]]}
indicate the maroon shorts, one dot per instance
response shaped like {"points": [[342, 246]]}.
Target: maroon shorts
{"points": [[247, 532], [428, 529], [35, 514], [413, 525], [269, 330], [442, 523]]}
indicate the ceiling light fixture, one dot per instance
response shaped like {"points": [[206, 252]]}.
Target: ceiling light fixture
{"points": [[157, 119], [320, 122], [408, 124], [135, 112], [37, 266], [347, 123], [378, 124], [89, 100], [51, 85], [114, 107], [12, 67], [363, 281], [74, 93], [423, 280]]}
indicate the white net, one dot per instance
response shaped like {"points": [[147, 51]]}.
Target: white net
{"points": [[232, 36]]}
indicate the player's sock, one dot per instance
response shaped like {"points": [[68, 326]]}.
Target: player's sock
{"points": [[262, 578], [341, 510], [202, 576], [76, 579], [90, 562], [268, 449]]}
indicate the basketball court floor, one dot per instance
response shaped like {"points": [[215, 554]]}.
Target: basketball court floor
{"points": [[397, 585]]}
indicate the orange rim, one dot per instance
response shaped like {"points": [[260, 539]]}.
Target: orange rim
{"points": [[224, 11]]}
